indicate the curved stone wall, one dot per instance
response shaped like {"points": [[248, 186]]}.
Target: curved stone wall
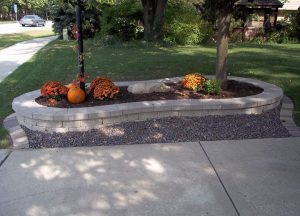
{"points": [[49, 119]]}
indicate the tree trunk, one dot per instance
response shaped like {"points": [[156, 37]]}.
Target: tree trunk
{"points": [[154, 11], [222, 47]]}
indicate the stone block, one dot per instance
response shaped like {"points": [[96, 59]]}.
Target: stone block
{"points": [[199, 113], [49, 124], [26, 114], [67, 124], [44, 116], [114, 120], [257, 110], [165, 114], [39, 128], [132, 117], [162, 105], [269, 107], [16, 132], [20, 118], [91, 123], [56, 130], [12, 129], [145, 116], [20, 142], [136, 107], [12, 122], [31, 122], [77, 114], [99, 112], [78, 129], [178, 105]]}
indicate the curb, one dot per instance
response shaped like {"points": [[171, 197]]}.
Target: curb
{"points": [[16, 133], [286, 117]]}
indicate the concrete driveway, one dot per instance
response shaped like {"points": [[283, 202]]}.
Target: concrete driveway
{"points": [[249, 177], [12, 28]]}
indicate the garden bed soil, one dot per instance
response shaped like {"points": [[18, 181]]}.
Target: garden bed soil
{"points": [[235, 89]]}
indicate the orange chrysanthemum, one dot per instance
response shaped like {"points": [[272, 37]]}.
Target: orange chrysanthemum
{"points": [[53, 88], [99, 80], [103, 88], [193, 81]]}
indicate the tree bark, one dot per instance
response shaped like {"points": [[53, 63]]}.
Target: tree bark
{"points": [[154, 11], [222, 47]]}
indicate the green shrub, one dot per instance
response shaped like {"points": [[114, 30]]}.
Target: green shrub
{"points": [[282, 37], [184, 25], [63, 16], [292, 23], [123, 20], [277, 37], [212, 86]]}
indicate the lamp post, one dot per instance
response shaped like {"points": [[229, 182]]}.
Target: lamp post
{"points": [[80, 45]]}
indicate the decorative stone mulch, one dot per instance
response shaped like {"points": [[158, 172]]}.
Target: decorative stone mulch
{"points": [[172, 129]]}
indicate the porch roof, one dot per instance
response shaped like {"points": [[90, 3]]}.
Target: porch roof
{"points": [[260, 3]]}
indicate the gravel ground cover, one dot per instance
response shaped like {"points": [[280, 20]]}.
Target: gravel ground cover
{"points": [[164, 130]]}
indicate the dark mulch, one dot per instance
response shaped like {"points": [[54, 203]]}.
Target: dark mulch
{"points": [[164, 130], [235, 89]]}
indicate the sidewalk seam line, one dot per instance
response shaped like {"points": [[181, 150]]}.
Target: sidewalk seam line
{"points": [[219, 178], [5, 158]]}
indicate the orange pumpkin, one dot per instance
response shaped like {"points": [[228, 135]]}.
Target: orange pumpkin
{"points": [[76, 95]]}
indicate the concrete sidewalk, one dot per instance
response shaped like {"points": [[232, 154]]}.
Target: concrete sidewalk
{"points": [[247, 177], [14, 56], [262, 176]]}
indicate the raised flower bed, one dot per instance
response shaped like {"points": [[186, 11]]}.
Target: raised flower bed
{"points": [[52, 119]]}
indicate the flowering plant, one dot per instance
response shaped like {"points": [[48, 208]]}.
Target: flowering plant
{"points": [[193, 81], [99, 80], [105, 91], [103, 88], [54, 89]]}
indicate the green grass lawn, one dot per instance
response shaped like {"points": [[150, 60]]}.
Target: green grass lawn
{"points": [[278, 64], [4, 139], [11, 39]]}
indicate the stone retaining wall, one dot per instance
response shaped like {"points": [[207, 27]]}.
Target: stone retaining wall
{"points": [[48, 119]]}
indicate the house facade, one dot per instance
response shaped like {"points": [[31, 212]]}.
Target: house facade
{"points": [[260, 16], [289, 7]]}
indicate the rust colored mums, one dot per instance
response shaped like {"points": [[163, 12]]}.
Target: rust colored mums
{"points": [[193, 81], [103, 88], [98, 80], [53, 89]]}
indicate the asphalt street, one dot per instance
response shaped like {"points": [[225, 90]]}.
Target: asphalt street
{"points": [[13, 28]]}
